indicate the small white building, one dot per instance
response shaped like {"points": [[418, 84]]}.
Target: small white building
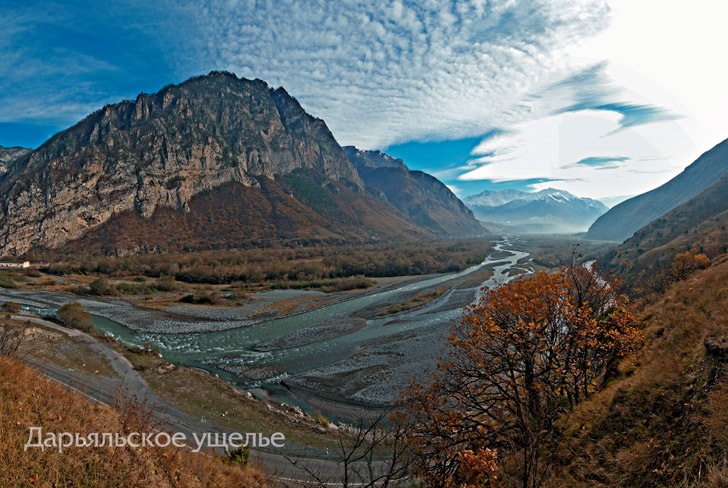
{"points": [[11, 265]]}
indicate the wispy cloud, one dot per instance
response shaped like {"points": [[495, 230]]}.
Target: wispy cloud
{"points": [[386, 72], [599, 162], [62, 60]]}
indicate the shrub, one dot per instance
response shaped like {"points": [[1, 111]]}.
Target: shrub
{"points": [[237, 457], [12, 307], [73, 315], [100, 287], [166, 283]]}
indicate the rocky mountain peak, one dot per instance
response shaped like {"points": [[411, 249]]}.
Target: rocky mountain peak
{"points": [[160, 150], [9, 155], [372, 159]]}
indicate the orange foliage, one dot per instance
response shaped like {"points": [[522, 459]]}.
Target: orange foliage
{"points": [[686, 262], [520, 357]]}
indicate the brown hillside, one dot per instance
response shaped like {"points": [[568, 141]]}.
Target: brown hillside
{"points": [[29, 400], [699, 223], [293, 208], [664, 422]]}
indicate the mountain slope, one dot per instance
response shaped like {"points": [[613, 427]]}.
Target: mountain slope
{"points": [[294, 208], [548, 210], [699, 223], [625, 219], [663, 420], [163, 149], [422, 198], [8, 155]]}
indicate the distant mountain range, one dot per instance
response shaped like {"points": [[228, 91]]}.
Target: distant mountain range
{"points": [[214, 162], [623, 220], [545, 211]]}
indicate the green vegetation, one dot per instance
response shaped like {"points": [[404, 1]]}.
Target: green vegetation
{"points": [[9, 280], [237, 457]]}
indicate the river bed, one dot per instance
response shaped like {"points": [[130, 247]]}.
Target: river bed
{"points": [[331, 350]]}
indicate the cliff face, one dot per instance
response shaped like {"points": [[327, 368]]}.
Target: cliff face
{"points": [[160, 151], [8, 155], [424, 199]]}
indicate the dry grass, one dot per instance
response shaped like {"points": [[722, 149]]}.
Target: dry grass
{"points": [[29, 400], [663, 422]]}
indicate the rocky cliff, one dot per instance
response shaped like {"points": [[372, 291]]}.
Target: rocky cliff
{"points": [[8, 155], [159, 151]]}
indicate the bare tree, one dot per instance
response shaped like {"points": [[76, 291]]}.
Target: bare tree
{"points": [[12, 335], [376, 452]]}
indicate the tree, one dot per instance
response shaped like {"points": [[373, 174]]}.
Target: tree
{"points": [[369, 454], [685, 263], [523, 355], [73, 315], [12, 307], [100, 286]]}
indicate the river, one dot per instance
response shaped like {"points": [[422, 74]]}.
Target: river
{"points": [[229, 352]]}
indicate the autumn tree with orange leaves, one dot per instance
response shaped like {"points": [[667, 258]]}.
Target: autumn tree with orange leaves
{"points": [[526, 353]]}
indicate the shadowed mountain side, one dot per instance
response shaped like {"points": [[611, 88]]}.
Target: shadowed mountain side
{"points": [[699, 223], [623, 220], [424, 199], [293, 209]]}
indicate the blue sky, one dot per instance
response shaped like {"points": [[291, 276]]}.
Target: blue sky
{"points": [[598, 97]]}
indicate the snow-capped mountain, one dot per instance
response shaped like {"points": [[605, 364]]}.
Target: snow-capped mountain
{"points": [[550, 210]]}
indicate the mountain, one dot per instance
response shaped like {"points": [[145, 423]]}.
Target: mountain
{"points": [[8, 155], [699, 223], [548, 210], [147, 166], [422, 198], [623, 220]]}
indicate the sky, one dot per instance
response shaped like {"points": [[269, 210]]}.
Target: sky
{"points": [[602, 98]]}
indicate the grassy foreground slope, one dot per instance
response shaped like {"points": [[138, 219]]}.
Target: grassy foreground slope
{"points": [[29, 400], [664, 421]]}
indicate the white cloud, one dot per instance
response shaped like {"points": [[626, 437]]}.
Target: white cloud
{"points": [[578, 150], [385, 72]]}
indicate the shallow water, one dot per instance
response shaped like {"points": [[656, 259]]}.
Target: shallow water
{"points": [[234, 347]]}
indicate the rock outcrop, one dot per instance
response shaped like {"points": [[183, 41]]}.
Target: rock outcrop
{"points": [[159, 151], [8, 155]]}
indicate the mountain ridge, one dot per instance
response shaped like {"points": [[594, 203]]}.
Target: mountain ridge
{"points": [[548, 210], [424, 199], [162, 149], [137, 164], [624, 219]]}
